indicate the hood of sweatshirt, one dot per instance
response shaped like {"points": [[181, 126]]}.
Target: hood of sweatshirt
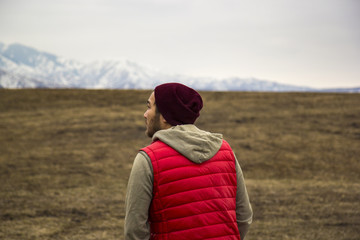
{"points": [[195, 144]]}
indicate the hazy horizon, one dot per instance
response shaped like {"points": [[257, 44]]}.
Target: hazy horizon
{"points": [[307, 43]]}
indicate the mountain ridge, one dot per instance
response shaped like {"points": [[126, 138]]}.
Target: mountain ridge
{"points": [[25, 67]]}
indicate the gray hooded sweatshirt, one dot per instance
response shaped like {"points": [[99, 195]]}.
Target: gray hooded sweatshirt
{"points": [[196, 145]]}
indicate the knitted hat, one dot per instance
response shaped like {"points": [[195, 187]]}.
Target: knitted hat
{"points": [[178, 103]]}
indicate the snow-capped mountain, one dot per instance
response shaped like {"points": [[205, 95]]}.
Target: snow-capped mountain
{"points": [[21, 63], [26, 67]]}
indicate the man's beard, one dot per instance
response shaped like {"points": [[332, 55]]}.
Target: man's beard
{"points": [[153, 126]]}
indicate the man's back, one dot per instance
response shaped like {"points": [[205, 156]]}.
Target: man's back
{"points": [[192, 200], [196, 148]]}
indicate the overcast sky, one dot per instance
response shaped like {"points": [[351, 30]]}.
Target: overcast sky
{"points": [[303, 42]]}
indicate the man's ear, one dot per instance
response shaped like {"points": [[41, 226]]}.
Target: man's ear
{"points": [[164, 123], [162, 119]]}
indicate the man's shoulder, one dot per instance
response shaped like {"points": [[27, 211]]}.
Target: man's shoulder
{"points": [[157, 144], [225, 144]]}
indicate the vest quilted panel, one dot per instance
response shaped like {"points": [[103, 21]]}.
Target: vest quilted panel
{"points": [[192, 201]]}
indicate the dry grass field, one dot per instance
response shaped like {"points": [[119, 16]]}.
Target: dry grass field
{"points": [[65, 157]]}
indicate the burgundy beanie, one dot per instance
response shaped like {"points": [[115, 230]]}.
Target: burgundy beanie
{"points": [[178, 103]]}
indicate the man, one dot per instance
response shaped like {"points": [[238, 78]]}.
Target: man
{"points": [[187, 184]]}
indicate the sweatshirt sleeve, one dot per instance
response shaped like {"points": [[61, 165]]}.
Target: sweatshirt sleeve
{"points": [[244, 211], [138, 199]]}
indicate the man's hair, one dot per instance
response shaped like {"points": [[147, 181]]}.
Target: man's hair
{"points": [[156, 109]]}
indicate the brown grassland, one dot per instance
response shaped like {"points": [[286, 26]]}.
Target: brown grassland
{"points": [[65, 158]]}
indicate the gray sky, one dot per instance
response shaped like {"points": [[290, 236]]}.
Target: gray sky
{"points": [[310, 42]]}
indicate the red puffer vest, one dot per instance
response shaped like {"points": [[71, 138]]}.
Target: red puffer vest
{"points": [[192, 201]]}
